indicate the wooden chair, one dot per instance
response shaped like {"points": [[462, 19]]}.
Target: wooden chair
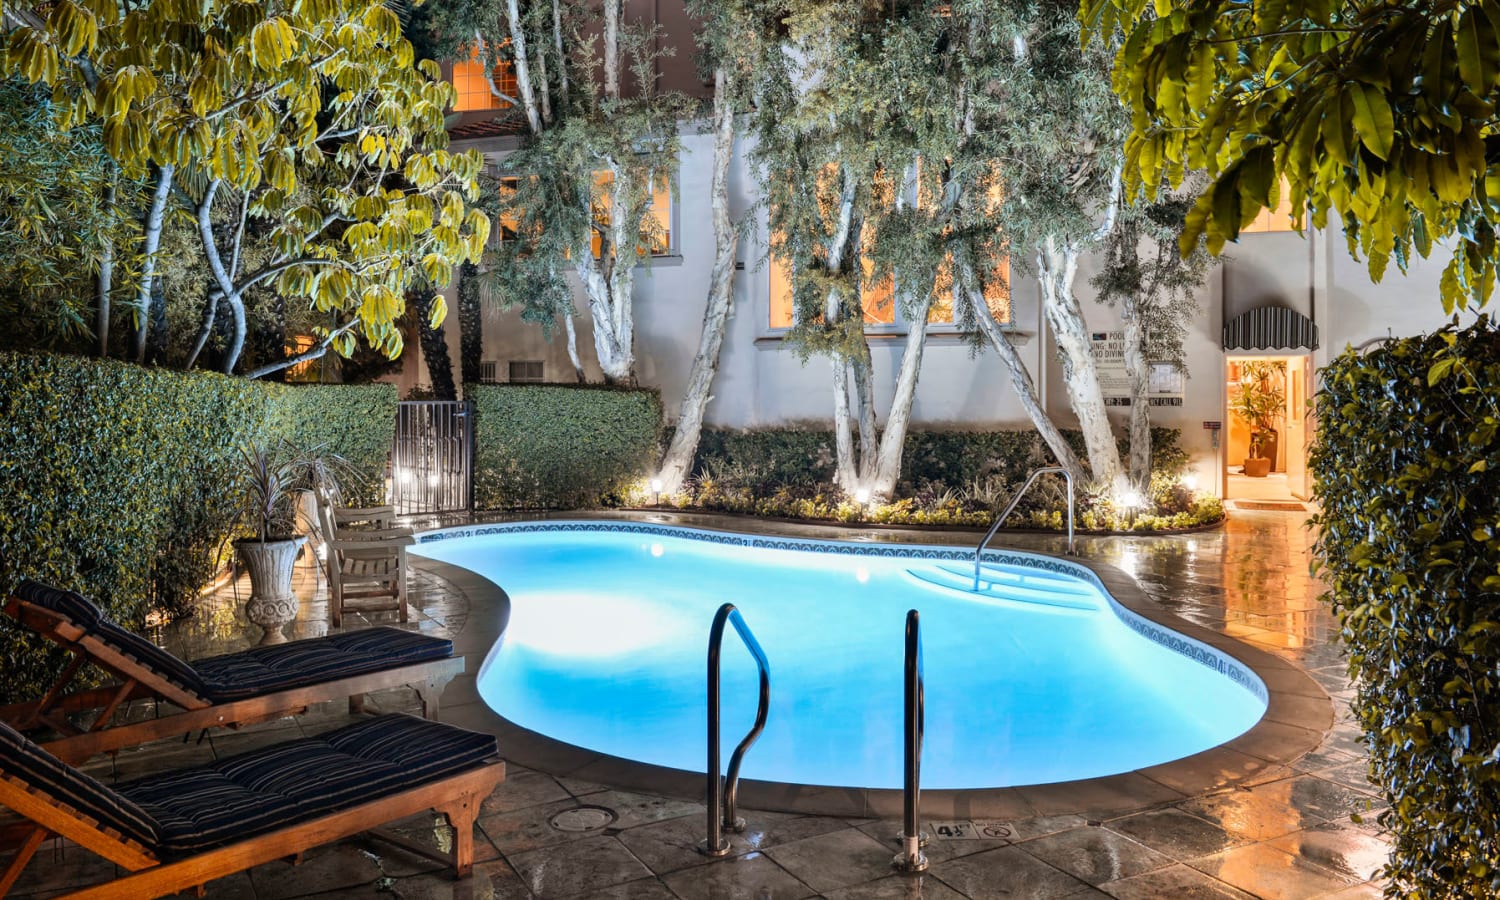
{"points": [[181, 829], [236, 689], [363, 564]]}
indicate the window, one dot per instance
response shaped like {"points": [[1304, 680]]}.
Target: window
{"points": [[474, 90], [306, 372], [526, 371], [656, 227], [879, 299], [489, 371], [1278, 219]]}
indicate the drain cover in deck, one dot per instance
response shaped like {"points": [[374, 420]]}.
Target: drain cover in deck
{"points": [[1279, 505], [583, 818]]}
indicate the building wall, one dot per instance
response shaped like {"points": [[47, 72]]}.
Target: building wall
{"points": [[761, 382]]}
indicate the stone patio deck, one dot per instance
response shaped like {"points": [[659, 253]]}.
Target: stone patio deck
{"points": [[1285, 832]]}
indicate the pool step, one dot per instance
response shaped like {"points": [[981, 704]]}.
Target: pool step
{"points": [[1007, 587], [1023, 576]]}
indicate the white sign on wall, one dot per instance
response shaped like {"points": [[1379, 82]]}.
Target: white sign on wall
{"points": [[1166, 385]]}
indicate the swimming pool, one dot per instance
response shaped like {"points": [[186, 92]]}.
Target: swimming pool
{"points": [[1040, 678]]}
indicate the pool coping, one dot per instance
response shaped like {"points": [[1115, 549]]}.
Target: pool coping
{"points": [[1298, 716]]}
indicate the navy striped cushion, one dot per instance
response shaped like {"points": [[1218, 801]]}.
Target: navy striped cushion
{"points": [[64, 785], [77, 609], [265, 789], [282, 666], [67, 604]]}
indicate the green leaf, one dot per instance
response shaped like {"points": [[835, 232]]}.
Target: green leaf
{"points": [[1372, 119]]}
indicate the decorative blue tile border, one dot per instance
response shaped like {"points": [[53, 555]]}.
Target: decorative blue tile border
{"points": [[1196, 650]]}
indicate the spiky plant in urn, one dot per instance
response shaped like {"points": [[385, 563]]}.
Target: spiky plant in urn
{"points": [[274, 477]]}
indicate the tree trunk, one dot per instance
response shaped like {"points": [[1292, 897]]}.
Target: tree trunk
{"points": [[608, 282], [470, 325], [151, 240], [1057, 266], [684, 446], [210, 315], [572, 331], [106, 280], [843, 438], [523, 73], [611, 49], [156, 343], [861, 367], [1138, 371], [1020, 378], [893, 439], [562, 60], [236, 332], [434, 346]]}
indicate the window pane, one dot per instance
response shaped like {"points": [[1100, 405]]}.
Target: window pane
{"points": [[474, 91], [1278, 219], [781, 292], [656, 227]]}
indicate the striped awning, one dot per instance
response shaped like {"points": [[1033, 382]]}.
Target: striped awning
{"points": [[1270, 328]]}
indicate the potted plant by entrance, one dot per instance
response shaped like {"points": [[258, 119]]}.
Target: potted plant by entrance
{"points": [[274, 478], [1261, 403]]}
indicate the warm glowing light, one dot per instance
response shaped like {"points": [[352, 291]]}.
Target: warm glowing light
{"points": [[405, 476], [656, 485], [862, 496], [433, 481], [1132, 500], [1190, 481], [657, 550]]}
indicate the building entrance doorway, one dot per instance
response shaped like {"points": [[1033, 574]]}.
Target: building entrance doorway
{"points": [[1267, 428]]}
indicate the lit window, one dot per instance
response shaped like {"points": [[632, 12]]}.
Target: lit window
{"points": [[656, 227], [306, 371], [1278, 219], [879, 300], [474, 89]]}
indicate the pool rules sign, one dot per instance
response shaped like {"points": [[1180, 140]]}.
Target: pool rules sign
{"points": [[1166, 384]]}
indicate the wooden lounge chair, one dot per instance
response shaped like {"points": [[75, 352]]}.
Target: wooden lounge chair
{"points": [[181, 829], [236, 689], [363, 564]]}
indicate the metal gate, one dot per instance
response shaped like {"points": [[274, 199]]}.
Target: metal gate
{"points": [[432, 459]]}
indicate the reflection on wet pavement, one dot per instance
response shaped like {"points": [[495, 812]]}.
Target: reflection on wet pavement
{"points": [[1287, 833]]}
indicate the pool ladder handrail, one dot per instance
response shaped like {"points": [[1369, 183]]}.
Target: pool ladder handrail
{"points": [[911, 859], [722, 791], [1010, 508]]}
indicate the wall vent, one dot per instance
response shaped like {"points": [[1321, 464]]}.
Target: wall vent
{"points": [[489, 371], [526, 371]]}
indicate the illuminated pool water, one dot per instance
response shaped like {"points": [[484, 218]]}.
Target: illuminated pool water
{"points": [[1042, 679]]}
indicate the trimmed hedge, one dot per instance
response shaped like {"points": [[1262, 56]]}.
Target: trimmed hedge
{"points": [[121, 482], [957, 459], [560, 447], [1407, 465], [353, 421]]}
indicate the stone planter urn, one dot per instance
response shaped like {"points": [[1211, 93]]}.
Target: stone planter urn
{"points": [[272, 605]]}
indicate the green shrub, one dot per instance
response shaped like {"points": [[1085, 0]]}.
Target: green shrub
{"points": [[560, 447], [121, 481], [952, 478], [353, 421], [1407, 468]]}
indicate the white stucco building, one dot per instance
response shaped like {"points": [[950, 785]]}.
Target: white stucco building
{"points": [[761, 382]]}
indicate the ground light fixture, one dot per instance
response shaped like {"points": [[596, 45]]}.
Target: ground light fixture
{"points": [[862, 496], [1131, 501], [656, 492]]}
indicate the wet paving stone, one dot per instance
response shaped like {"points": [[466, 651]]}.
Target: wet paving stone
{"points": [[1289, 835]]}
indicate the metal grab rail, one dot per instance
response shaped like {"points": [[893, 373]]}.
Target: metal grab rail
{"points": [[1030, 479], [722, 791], [911, 858]]}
